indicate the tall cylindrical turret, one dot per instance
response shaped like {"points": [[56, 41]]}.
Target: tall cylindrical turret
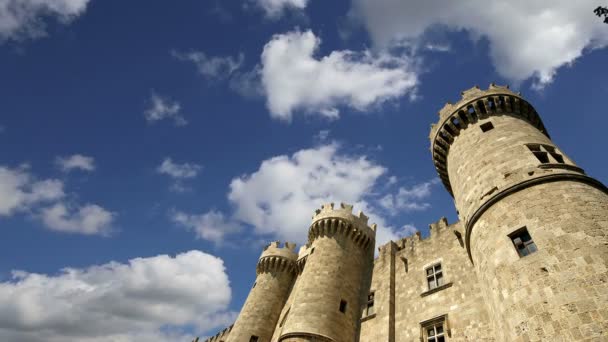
{"points": [[328, 301], [275, 270], [536, 225]]}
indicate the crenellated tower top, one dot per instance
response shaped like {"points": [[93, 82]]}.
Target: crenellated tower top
{"points": [[476, 104], [277, 257], [331, 220]]}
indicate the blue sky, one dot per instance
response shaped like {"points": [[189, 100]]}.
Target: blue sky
{"points": [[149, 149]]}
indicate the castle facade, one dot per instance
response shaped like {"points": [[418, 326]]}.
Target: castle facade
{"points": [[527, 260]]}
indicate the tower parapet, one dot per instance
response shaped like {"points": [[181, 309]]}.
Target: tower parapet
{"points": [[276, 271], [336, 268]]}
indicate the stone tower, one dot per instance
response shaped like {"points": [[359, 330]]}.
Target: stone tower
{"points": [[275, 270], [327, 302], [536, 227]]}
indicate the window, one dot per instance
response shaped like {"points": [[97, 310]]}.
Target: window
{"points": [[435, 332], [523, 242], [312, 251], [546, 153], [254, 338], [434, 276], [486, 126], [254, 284], [343, 306], [369, 309]]}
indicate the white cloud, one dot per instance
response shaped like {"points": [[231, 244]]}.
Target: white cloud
{"points": [[276, 8], [19, 191], [211, 67], [407, 230], [76, 161], [294, 79], [161, 108], [211, 226], [118, 301], [281, 195], [21, 19], [176, 170], [408, 199], [526, 38], [89, 219]]}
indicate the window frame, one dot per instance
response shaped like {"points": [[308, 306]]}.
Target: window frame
{"points": [[529, 246], [435, 272], [439, 321]]}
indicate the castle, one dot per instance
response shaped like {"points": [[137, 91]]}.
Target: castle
{"points": [[527, 260]]}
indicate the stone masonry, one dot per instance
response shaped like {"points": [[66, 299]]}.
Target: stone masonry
{"points": [[527, 260]]}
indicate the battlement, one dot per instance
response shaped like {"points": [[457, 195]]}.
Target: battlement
{"points": [[277, 256], [414, 240], [476, 104], [330, 220], [220, 336]]}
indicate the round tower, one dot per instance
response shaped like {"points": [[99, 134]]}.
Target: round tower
{"points": [[328, 301], [275, 270], [536, 225]]}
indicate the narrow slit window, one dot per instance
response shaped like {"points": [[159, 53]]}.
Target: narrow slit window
{"points": [[254, 284], [312, 250], [486, 126], [369, 309], [343, 306], [254, 338], [523, 242], [284, 318]]}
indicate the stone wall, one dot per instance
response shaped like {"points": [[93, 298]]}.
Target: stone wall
{"points": [[402, 265]]}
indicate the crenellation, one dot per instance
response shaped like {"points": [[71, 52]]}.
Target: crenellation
{"points": [[527, 261]]}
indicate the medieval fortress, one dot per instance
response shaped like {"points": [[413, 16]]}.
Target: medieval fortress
{"points": [[527, 260]]}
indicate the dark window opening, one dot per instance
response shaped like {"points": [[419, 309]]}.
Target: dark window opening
{"points": [[471, 109], [434, 276], [542, 157], [369, 309], [558, 158], [254, 338], [542, 153], [435, 332], [491, 105], [312, 250], [254, 284], [343, 306], [523, 242], [501, 103], [486, 126], [456, 122], [449, 130]]}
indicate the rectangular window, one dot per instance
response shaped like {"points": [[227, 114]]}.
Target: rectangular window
{"points": [[434, 276], [486, 126], [435, 332], [523, 242], [343, 306], [369, 309], [546, 153]]}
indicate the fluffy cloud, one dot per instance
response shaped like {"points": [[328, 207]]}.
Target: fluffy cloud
{"points": [[160, 108], [89, 219], [176, 170], [211, 226], [408, 199], [211, 67], [526, 38], [19, 191], [75, 162], [45, 200], [294, 79], [118, 302], [275, 8], [23, 18]]}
